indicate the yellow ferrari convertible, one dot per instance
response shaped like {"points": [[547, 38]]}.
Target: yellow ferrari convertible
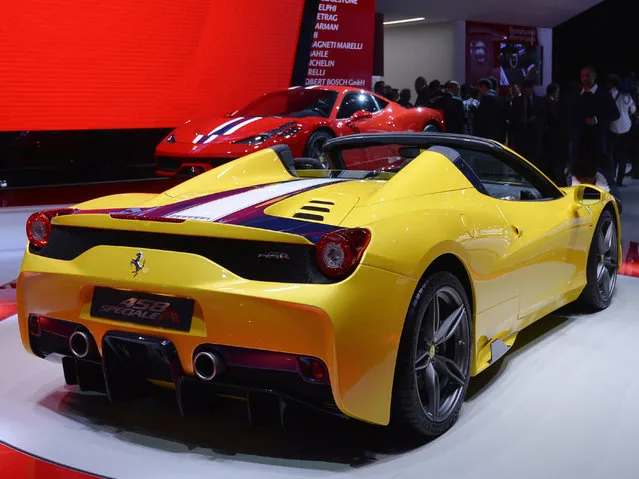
{"points": [[374, 295]]}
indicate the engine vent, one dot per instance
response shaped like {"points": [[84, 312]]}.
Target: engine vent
{"points": [[313, 210]]}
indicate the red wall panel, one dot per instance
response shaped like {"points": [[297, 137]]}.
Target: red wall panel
{"points": [[96, 64]]}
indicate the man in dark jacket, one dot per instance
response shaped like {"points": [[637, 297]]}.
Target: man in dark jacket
{"points": [[423, 93], [453, 107], [526, 125], [490, 118], [551, 134], [593, 110]]}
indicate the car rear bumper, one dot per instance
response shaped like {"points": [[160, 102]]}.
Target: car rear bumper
{"points": [[353, 327]]}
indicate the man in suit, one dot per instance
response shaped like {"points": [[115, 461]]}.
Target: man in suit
{"points": [[526, 123], [550, 118], [490, 118], [423, 93], [592, 112], [453, 107], [404, 98]]}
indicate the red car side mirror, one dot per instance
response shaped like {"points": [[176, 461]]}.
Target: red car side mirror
{"points": [[360, 115]]}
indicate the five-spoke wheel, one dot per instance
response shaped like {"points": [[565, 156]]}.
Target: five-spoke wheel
{"points": [[607, 255], [603, 264], [437, 340]]}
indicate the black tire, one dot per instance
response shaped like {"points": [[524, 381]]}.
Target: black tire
{"points": [[603, 265], [420, 360], [432, 128], [315, 143]]}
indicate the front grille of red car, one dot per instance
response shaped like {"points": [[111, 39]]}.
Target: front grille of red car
{"points": [[173, 163]]}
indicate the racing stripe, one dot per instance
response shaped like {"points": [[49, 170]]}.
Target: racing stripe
{"points": [[225, 126], [218, 130], [241, 125], [167, 210], [248, 200]]}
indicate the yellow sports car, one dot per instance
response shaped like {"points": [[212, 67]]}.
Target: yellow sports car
{"points": [[374, 295]]}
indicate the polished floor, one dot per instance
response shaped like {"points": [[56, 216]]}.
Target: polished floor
{"points": [[561, 404]]}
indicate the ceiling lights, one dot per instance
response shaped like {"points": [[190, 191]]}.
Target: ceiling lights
{"points": [[406, 20]]}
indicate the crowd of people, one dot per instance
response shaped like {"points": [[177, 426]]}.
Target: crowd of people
{"points": [[587, 132]]}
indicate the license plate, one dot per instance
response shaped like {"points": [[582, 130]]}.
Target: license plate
{"points": [[143, 308]]}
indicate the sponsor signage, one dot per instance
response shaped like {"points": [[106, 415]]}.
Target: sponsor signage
{"points": [[343, 44]]}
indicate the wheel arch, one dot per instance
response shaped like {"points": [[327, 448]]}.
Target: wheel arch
{"points": [[320, 129], [324, 128], [435, 123], [451, 263], [613, 208]]}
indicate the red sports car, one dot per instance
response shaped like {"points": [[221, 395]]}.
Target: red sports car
{"points": [[302, 118]]}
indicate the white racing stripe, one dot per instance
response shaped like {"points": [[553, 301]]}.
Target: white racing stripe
{"points": [[216, 209], [218, 128], [242, 125]]}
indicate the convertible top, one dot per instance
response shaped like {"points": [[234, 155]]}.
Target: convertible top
{"points": [[423, 140]]}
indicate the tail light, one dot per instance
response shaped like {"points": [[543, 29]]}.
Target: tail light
{"points": [[338, 253], [39, 226]]}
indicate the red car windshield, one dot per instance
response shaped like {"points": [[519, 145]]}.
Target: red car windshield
{"points": [[295, 103]]}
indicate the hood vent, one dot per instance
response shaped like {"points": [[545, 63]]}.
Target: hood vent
{"points": [[314, 210]]}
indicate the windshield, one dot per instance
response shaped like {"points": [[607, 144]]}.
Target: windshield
{"points": [[292, 103]]}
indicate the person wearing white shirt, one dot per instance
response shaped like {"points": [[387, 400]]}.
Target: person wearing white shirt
{"points": [[619, 131]]}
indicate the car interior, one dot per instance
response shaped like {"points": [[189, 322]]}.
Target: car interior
{"points": [[499, 175]]}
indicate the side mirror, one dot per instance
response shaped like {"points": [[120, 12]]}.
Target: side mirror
{"points": [[360, 115]]}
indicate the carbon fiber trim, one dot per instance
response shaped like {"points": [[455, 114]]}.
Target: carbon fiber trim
{"points": [[255, 260]]}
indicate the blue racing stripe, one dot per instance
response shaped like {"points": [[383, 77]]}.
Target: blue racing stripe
{"points": [[220, 131], [309, 230]]}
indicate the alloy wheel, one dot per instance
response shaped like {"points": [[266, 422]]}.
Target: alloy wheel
{"points": [[442, 358], [607, 259], [316, 150]]}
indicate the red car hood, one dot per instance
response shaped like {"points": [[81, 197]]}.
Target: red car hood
{"points": [[224, 130]]}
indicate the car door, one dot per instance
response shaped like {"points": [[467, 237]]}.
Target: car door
{"points": [[361, 112], [548, 228], [350, 120]]}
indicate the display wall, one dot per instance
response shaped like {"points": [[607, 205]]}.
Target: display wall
{"points": [[461, 51], [144, 64], [89, 89], [431, 50]]}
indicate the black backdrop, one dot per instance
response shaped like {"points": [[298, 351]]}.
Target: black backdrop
{"points": [[605, 36]]}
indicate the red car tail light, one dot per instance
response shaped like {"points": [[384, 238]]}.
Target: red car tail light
{"points": [[39, 226], [338, 253]]}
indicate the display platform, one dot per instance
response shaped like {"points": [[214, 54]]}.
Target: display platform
{"points": [[561, 404]]}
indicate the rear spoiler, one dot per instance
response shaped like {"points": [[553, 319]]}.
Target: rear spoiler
{"points": [[182, 227]]}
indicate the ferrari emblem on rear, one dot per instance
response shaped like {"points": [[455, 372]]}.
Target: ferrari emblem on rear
{"points": [[137, 263]]}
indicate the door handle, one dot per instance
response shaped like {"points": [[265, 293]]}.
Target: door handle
{"points": [[517, 231]]}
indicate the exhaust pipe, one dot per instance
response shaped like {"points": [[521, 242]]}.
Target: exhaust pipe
{"points": [[207, 365], [79, 344]]}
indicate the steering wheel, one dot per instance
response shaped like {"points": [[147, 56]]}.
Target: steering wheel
{"points": [[322, 107]]}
